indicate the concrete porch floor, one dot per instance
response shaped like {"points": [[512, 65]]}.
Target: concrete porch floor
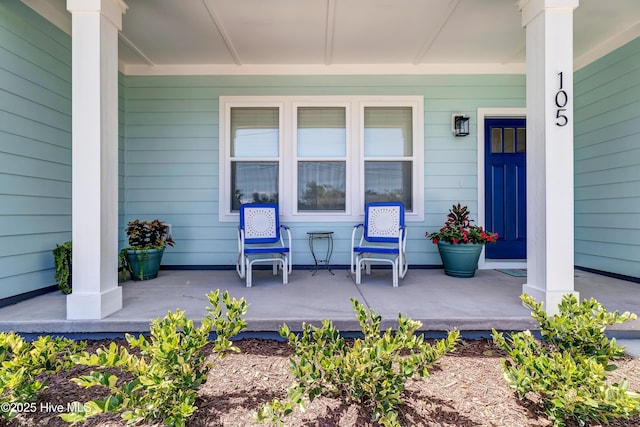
{"points": [[441, 303]]}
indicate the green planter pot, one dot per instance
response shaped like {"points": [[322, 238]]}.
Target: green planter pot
{"points": [[144, 264], [460, 260]]}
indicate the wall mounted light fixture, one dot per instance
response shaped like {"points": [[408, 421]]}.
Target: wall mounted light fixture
{"points": [[459, 124]]}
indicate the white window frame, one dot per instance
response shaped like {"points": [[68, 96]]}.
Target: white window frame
{"points": [[417, 169], [287, 153], [349, 190]]}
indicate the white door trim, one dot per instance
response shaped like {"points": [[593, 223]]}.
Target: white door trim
{"points": [[493, 113]]}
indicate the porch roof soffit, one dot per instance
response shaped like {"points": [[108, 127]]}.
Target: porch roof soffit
{"points": [[284, 37]]}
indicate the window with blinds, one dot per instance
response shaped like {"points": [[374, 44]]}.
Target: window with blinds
{"points": [[255, 136], [388, 150], [321, 137], [321, 158]]}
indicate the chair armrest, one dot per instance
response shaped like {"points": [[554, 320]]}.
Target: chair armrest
{"points": [[288, 232], [353, 234], [402, 236], [240, 239], [288, 245]]}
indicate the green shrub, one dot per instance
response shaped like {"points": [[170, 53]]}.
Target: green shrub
{"points": [[567, 371], [62, 261], [371, 372], [25, 366], [168, 371], [580, 327]]}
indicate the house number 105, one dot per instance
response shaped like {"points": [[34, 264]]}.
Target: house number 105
{"points": [[561, 101]]}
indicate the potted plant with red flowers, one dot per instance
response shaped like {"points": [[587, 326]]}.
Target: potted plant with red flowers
{"points": [[147, 241], [460, 242]]}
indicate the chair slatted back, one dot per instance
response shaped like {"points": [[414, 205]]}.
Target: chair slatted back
{"points": [[382, 221], [260, 222]]}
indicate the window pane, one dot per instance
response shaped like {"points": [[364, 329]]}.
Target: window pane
{"points": [[254, 132], [388, 182], [509, 140], [322, 131], [321, 186], [496, 140], [253, 182], [388, 131], [521, 143]]}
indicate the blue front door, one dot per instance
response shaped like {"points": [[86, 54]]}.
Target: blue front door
{"points": [[505, 187]]}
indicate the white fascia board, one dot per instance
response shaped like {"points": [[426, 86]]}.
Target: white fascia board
{"points": [[607, 47], [321, 69]]}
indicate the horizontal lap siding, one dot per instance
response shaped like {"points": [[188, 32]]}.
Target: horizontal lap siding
{"points": [[607, 162], [35, 147], [172, 153], [171, 164]]}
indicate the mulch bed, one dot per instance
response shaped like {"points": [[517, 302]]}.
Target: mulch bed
{"points": [[466, 389]]}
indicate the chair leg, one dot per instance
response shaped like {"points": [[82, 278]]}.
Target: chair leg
{"points": [[395, 268], [403, 267], [359, 261], [285, 272], [240, 266], [248, 273], [354, 262], [286, 268]]}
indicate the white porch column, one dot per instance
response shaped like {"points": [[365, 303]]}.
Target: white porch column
{"points": [[95, 26], [550, 227]]}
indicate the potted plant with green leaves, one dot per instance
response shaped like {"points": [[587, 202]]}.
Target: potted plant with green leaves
{"points": [[62, 262], [460, 242], [147, 242]]}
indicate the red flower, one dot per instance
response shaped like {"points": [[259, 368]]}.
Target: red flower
{"points": [[458, 229]]}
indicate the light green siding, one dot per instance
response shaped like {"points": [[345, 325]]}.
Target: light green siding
{"points": [[172, 153], [607, 163], [35, 147]]}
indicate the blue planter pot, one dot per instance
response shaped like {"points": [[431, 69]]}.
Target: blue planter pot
{"points": [[144, 264], [460, 260]]}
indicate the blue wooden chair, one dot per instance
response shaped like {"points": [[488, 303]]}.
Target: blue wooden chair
{"points": [[260, 240], [383, 238]]}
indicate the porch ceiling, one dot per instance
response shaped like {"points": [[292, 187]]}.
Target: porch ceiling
{"points": [[464, 35]]}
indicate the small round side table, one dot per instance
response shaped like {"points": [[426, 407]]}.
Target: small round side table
{"points": [[315, 236]]}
